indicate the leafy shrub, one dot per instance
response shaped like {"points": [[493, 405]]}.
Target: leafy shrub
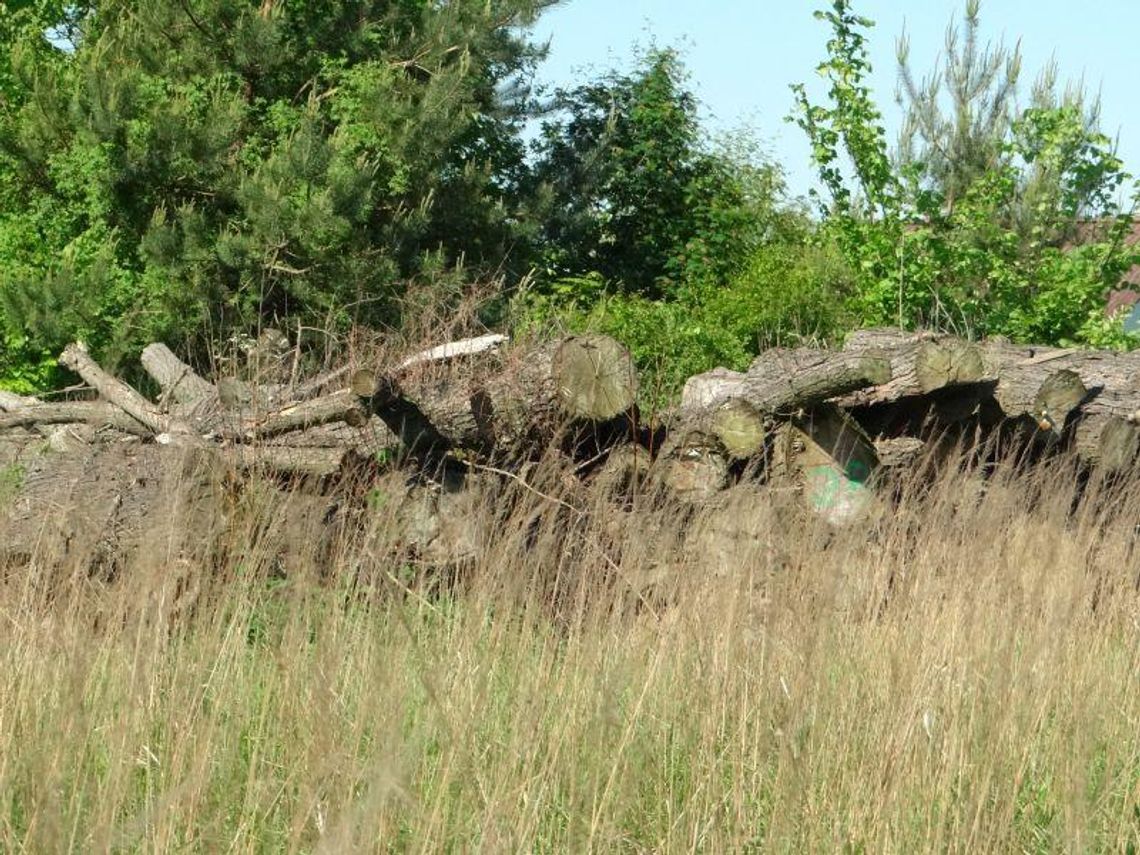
{"points": [[785, 294]]}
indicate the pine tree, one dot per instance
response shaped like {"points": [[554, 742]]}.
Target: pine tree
{"points": [[952, 147], [190, 168]]}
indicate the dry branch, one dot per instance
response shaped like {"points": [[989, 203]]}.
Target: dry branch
{"points": [[118, 393], [95, 413]]}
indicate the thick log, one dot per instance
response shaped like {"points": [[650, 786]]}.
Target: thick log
{"points": [[371, 437], [118, 393], [782, 381], [582, 379], [900, 452], [342, 406], [921, 362], [693, 468], [829, 459], [704, 390], [291, 460], [176, 379], [10, 401], [1106, 430], [733, 425]]}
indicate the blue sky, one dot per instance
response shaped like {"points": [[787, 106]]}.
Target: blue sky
{"points": [[743, 54]]}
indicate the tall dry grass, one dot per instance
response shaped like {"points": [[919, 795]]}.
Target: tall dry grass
{"points": [[960, 673]]}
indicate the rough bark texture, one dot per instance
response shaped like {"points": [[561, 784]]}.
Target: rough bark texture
{"points": [[177, 380], [802, 427]]}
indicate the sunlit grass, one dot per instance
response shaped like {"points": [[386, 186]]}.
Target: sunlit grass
{"points": [[950, 676]]}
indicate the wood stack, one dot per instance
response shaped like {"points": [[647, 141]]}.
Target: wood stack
{"points": [[828, 425]]}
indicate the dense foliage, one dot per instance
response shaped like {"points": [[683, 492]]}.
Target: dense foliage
{"points": [[187, 169], [977, 242], [192, 171]]}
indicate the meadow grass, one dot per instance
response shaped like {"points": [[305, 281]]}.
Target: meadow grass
{"points": [[957, 673]]}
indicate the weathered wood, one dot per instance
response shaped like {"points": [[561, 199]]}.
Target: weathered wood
{"points": [[625, 472], [238, 396], [900, 452], [829, 459], [921, 362], [526, 396], [694, 468], [453, 349], [96, 413], [176, 379], [370, 437], [290, 460], [341, 406], [704, 390], [734, 425], [1106, 430], [781, 381], [118, 393], [10, 401]]}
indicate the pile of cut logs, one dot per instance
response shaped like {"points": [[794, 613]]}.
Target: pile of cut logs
{"points": [[828, 423]]}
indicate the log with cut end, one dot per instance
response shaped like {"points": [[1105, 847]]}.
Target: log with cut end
{"points": [[704, 390], [733, 425], [508, 402], [95, 413], [829, 459], [692, 466], [900, 452], [1106, 430], [119, 394], [1048, 384], [921, 362], [342, 406], [787, 380]]}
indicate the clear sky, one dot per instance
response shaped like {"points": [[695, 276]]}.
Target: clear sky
{"points": [[743, 54]]}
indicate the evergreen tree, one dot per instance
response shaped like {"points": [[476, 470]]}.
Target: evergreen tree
{"points": [[964, 122], [631, 192], [953, 147], [187, 169]]}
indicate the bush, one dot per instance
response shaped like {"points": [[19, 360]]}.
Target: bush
{"points": [[786, 294]]}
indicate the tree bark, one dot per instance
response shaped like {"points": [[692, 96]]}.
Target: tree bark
{"points": [[291, 460], [95, 413], [582, 379], [782, 381], [176, 379], [342, 406], [921, 362], [10, 401], [118, 393]]}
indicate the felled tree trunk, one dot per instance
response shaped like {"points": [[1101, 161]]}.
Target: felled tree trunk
{"points": [[830, 460], [920, 362], [511, 403], [728, 412], [119, 394], [177, 380]]}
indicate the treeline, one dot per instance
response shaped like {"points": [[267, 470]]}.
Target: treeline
{"points": [[194, 172]]}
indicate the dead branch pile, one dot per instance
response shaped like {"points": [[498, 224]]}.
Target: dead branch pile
{"points": [[829, 426]]}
